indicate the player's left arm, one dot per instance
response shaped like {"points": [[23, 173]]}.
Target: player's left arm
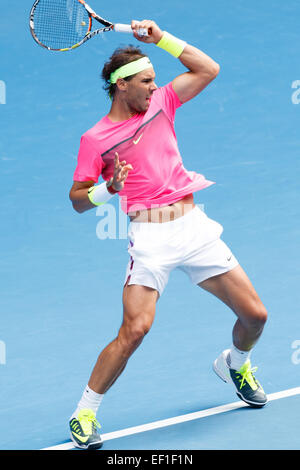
{"points": [[202, 69]]}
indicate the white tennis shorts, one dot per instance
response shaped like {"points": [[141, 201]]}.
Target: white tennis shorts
{"points": [[190, 243]]}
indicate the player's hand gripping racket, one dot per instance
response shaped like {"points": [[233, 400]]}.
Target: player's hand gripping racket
{"points": [[62, 25]]}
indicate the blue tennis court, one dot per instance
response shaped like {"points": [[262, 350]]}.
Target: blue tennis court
{"points": [[61, 279]]}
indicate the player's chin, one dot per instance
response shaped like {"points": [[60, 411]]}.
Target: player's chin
{"points": [[142, 106], [147, 104]]}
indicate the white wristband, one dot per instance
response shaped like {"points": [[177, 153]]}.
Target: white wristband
{"points": [[99, 194]]}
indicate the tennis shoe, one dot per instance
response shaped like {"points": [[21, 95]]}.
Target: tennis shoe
{"points": [[246, 385], [84, 432]]}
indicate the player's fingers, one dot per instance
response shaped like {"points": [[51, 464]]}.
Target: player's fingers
{"points": [[124, 176], [127, 168], [124, 165], [142, 25], [119, 175], [124, 172], [134, 24], [146, 24], [149, 25], [118, 171]]}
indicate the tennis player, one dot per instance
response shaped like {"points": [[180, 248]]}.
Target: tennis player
{"points": [[134, 149]]}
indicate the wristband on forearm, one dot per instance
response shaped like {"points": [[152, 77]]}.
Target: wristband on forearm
{"points": [[101, 193], [171, 44]]}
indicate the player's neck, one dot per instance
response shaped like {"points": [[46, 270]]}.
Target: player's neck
{"points": [[120, 111]]}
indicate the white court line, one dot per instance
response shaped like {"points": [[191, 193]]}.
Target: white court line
{"points": [[179, 419]]}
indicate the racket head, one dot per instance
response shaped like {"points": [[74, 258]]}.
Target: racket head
{"points": [[60, 25]]}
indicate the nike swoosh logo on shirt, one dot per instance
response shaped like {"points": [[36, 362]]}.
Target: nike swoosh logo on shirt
{"points": [[137, 140]]}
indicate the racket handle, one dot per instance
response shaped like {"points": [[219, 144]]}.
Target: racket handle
{"points": [[123, 28], [126, 28]]}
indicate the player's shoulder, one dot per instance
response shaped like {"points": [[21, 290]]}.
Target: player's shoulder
{"points": [[165, 91], [161, 89], [166, 98], [91, 138], [93, 132]]}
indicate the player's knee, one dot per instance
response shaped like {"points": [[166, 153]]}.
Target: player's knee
{"points": [[258, 316], [261, 315], [133, 335]]}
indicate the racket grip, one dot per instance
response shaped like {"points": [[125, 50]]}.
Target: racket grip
{"points": [[122, 28], [126, 28]]}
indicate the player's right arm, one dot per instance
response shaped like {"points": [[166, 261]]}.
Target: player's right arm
{"points": [[79, 191], [79, 196], [202, 69]]}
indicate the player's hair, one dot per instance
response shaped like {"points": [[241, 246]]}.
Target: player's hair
{"points": [[120, 57]]}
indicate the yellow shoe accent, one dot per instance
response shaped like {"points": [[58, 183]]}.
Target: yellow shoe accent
{"points": [[84, 430], [87, 419], [82, 439], [246, 373]]}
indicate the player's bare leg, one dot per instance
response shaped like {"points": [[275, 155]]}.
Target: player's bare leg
{"points": [[139, 304], [236, 290]]}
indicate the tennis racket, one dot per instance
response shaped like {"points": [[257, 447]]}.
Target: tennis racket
{"points": [[63, 25]]}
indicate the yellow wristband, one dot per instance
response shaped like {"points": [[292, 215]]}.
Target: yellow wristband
{"points": [[171, 44]]}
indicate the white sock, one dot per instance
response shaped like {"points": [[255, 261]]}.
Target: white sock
{"points": [[89, 399], [237, 358]]}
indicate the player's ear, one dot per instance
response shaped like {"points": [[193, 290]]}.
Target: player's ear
{"points": [[122, 84]]}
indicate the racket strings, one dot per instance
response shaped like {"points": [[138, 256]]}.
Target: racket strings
{"points": [[60, 24]]}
